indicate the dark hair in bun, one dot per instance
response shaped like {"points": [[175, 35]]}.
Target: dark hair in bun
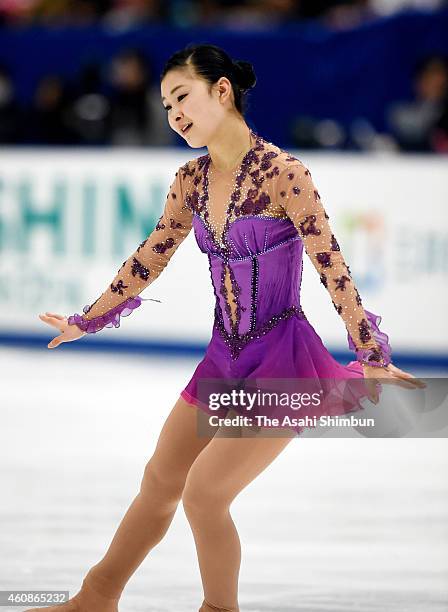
{"points": [[211, 63], [245, 74]]}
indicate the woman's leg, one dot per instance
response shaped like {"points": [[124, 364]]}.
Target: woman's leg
{"points": [[148, 517], [219, 473]]}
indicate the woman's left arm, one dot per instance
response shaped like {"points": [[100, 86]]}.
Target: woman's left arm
{"points": [[300, 198]]}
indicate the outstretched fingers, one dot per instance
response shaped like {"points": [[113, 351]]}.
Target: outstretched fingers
{"points": [[56, 316], [67, 333], [55, 320], [56, 341], [371, 384], [391, 375], [409, 380]]}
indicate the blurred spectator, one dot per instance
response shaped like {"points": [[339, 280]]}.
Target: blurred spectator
{"points": [[9, 109], [440, 134], [307, 132], [420, 124], [125, 14], [345, 15], [358, 134], [137, 114], [388, 7], [88, 113], [47, 121], [249, 14], [123, 106], [55, 12]]}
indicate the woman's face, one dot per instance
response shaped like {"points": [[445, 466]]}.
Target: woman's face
{"points": [[187, 100]]}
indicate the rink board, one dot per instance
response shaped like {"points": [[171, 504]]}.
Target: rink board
{"points": [[69, 219]]}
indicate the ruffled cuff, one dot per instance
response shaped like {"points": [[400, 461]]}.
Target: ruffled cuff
{"points": [[108, 319], [379, 356]]}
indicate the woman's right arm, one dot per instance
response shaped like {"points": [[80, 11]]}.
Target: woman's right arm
{"points": [[144, 265]]}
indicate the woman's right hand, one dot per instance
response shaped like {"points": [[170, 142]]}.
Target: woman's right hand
{"points": [[68, 332]]}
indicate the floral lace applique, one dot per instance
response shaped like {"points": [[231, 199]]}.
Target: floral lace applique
{"points": [[140, 269], [118, 287], [340, 282], [161, 247], [311, 228]]}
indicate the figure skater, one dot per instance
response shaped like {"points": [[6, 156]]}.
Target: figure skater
{"points": [[254, 208]]}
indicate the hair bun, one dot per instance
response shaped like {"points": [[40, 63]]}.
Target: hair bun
{"points": [[244, 74]]}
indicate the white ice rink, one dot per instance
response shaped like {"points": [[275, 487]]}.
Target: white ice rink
{"points": [[333, 525]]}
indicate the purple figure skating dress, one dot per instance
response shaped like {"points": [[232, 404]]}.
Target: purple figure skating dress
{"points": [[253, 224]]}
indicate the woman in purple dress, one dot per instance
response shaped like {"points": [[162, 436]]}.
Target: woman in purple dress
{"points": [[253, 208]]}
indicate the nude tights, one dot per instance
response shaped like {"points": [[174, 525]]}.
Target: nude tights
{"points": [[206, 474]]}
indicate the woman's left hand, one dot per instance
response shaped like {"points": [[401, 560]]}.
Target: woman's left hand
{"points": [[390, 375]]}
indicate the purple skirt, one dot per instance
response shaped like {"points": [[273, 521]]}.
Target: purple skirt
{"points": [[291, 350]]}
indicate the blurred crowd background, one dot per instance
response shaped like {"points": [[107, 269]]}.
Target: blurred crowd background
{"points": [[86, 72], [228, 13]]}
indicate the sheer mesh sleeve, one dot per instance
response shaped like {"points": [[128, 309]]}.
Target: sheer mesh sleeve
{"points": [[299, 197], [144, 265]]}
